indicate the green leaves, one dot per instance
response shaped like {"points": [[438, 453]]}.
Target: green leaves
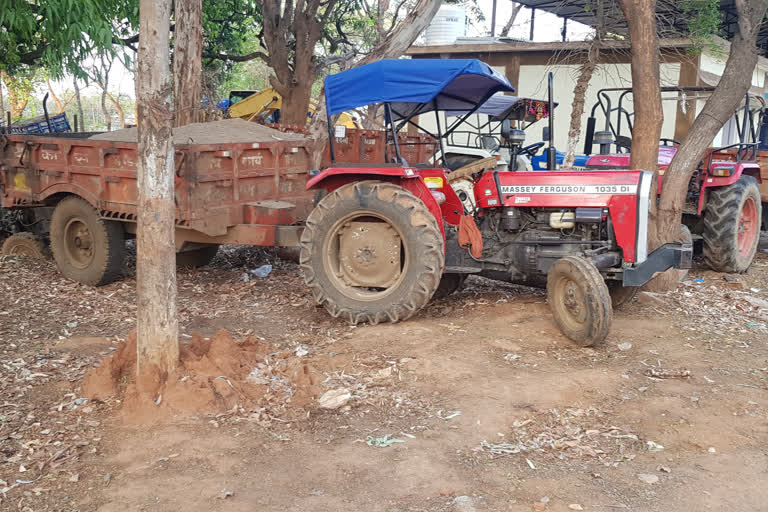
{"points": [[59, 34]]}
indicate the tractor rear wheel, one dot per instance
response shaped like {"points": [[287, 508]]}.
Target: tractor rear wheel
{"points": [[87, 248], [25, 245], [199, 257], [732, 226], [372, 252], [449, 284], [579, 299]]}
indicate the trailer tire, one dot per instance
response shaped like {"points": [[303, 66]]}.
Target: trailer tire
{"points": [[580, 301], [732, 226], [199, 257], [25, 245], [327, 272], [86, 248], [449, 284]]}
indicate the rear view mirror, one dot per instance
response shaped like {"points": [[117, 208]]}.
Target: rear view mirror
{"points": [[545, 133], [506, 128]]}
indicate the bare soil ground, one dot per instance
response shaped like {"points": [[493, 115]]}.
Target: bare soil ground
{"points": [[478, 403]]}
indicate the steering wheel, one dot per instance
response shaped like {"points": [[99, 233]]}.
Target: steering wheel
{"points": [[669, 142], [530, 150]]}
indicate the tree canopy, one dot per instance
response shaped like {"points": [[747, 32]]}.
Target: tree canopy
{"points": [[59, 34]]}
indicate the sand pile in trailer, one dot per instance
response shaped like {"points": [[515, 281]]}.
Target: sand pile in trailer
{"points": [[214, 375], [227, 131]]}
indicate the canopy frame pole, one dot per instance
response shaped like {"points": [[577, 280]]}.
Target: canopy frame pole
{"points": [[331, 136], [390, 122], [439, 134]]}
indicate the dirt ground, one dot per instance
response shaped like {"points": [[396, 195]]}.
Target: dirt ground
{"points": [[478, 403]]}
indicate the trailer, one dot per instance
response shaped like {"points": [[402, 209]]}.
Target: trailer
{"points": [[78, 196]]}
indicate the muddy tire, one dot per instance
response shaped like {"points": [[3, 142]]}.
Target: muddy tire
{"points": [[732, 226], [449, 284], [579, 300], [87, 248], [199, 257], [25, 245], [356, 276]]}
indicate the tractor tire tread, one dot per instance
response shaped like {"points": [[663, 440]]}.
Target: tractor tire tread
{"points": [[720, 242], [596, 294], [431, 253]]}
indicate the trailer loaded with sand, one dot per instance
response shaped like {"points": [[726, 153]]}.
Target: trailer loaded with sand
{"points": [[76, 194]]}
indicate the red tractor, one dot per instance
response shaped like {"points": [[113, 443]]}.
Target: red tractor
{"points": [[723, 206], [385, 238]]}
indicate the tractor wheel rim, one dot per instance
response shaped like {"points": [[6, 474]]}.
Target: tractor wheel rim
{"points": [[333, 259], [573, 302], [747, 229], [78, 243]]}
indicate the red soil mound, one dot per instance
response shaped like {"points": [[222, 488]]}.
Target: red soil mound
{"points": [[213, 376]]}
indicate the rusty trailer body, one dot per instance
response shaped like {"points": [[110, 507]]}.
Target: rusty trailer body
{"points": [[235, 193], [245, 193]]}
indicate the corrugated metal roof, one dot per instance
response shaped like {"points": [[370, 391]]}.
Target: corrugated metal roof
{"points": [[671, 18]]}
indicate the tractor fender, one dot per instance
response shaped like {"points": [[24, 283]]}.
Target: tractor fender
{"points": [[741, 168], [334, 177]]}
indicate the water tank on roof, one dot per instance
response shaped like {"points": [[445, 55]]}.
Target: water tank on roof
{"points": [[449, 23]]}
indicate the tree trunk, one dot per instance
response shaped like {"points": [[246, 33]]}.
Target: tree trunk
{"points": [[104, 84], [79, 105], [2, 104], [720, 106], [157, 325], [579, 94], [18, 94], [59, 104], [115, 102], [406, 32], [187, 61], [641, 17], [515, 11], [399, 39], [296, 102]]}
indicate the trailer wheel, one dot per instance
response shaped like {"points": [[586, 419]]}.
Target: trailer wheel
{"points": [[732, 226], [25, 245], [87, 248], [199, 257], [449, 284], [579, 299], [372, 252]]}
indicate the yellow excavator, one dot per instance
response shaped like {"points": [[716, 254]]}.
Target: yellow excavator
{"points": [[264, 107]]}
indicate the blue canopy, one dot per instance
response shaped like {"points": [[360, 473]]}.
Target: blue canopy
{"points": [[495, 106], [415, 86]]}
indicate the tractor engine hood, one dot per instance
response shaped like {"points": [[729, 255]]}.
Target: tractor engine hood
{"points": [[624, 194]]}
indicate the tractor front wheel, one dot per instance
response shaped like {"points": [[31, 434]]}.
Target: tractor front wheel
{"points": [[372, 252], [579, 299], [732, 226]]}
